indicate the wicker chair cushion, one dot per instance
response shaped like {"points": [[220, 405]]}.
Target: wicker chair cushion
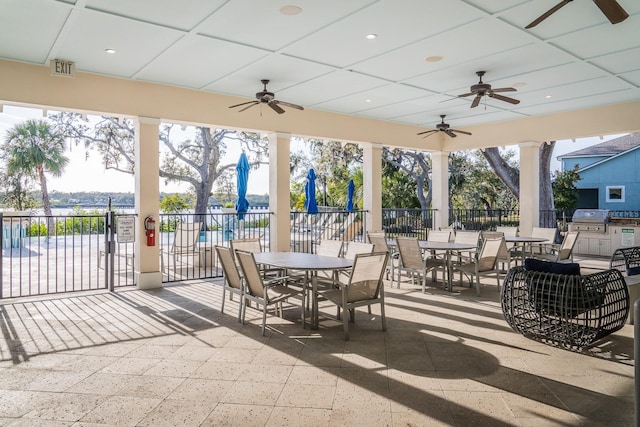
{"points": [[632, 271], [570, 269]]}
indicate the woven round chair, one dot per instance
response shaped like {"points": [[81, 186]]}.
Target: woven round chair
{"points": [[566, 310]]}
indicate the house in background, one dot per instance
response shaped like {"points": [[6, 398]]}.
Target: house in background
{"points": [[609, 174]]}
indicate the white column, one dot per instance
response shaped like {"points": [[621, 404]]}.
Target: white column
{"points": [[279, 198], [440, 187], [372, 185], [147, 260], [529, 187]]}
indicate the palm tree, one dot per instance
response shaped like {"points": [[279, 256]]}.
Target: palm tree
{"points": [[33, 149]]}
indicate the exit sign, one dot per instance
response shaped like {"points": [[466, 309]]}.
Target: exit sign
{"points": [[62, 68]]}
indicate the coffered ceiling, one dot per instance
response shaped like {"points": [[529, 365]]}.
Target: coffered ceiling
{"points": [[321, 59]]}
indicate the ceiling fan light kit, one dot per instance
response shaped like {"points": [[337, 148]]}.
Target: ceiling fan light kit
{"points": [[269, 98]]}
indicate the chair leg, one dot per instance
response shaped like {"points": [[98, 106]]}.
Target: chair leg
{"points": [[224, 291], [264, 318], [240, 309], [384, 320]]}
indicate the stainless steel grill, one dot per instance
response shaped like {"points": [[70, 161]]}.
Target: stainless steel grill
{"points": [[590, 220]]}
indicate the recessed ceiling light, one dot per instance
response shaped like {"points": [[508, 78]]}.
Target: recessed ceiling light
{"points": [[371, 36], [367, 100], [519, 84], [290, 10], [110, 50], [434, 58], [547, 96]]}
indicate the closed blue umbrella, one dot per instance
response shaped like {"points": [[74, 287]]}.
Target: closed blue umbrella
{"points": [[242, 168], [351, 188], [310, 193]]}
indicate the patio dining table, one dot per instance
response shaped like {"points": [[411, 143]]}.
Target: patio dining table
{"points": [[447, 248], [310, 264], [525, 241]]}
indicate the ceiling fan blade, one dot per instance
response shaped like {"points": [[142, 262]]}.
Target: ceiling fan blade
{"points": [[460, 131], [504, 98], [612, 10], [451, 134], [286, 104], [476, 101], [547, 14], [466, 94], [249, 106], [276, 107], [244, 103], [504, 89], [427, 132]]}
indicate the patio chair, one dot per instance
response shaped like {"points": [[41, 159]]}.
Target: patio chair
{"points": [[354, 249], [504, 256], [363, 287], [185, 244], [328, 248], [379, 241], [411, 261], [466, 237], [443, 235], [565, 252], [249, 245], [253, 245], [485, 263], [265, 292], [232, 280], [511, 247], [544, 247]]}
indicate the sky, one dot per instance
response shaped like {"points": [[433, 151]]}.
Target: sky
{"points": [[89, 174]]}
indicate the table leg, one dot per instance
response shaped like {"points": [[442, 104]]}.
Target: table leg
{"points": [[314, 300], [449, 270]]}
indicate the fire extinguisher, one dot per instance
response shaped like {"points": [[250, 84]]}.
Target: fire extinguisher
{"points": [[150, 230]]}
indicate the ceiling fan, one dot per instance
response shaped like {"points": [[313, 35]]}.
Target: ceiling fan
{"points": [[480, 89], [611, 9], [266, 97], [443, 127]]}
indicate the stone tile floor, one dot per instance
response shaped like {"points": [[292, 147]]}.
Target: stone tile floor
{"points": [[168, 357]]}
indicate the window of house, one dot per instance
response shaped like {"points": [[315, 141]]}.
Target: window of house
{"points": [[615, 193]]}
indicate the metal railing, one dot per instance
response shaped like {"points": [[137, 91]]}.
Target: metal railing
{"points": [[408, 222], [55, 254], [187, 241]]}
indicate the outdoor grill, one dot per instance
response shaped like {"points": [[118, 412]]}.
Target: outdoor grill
{"points": [[590, 220]]}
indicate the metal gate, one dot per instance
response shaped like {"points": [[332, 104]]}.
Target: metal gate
{"points": [[63, 253]]}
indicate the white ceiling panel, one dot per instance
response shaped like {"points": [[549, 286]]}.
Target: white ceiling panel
{"points": [[183, 14], [136, 43], [330, 86], [588, 101], [457, 46], [495, 6], [395, 22], [260, 23], [282, 70], [186, 64], [22, 20], [603, 39], [632, 76], [618, 62], [365, 100]]}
